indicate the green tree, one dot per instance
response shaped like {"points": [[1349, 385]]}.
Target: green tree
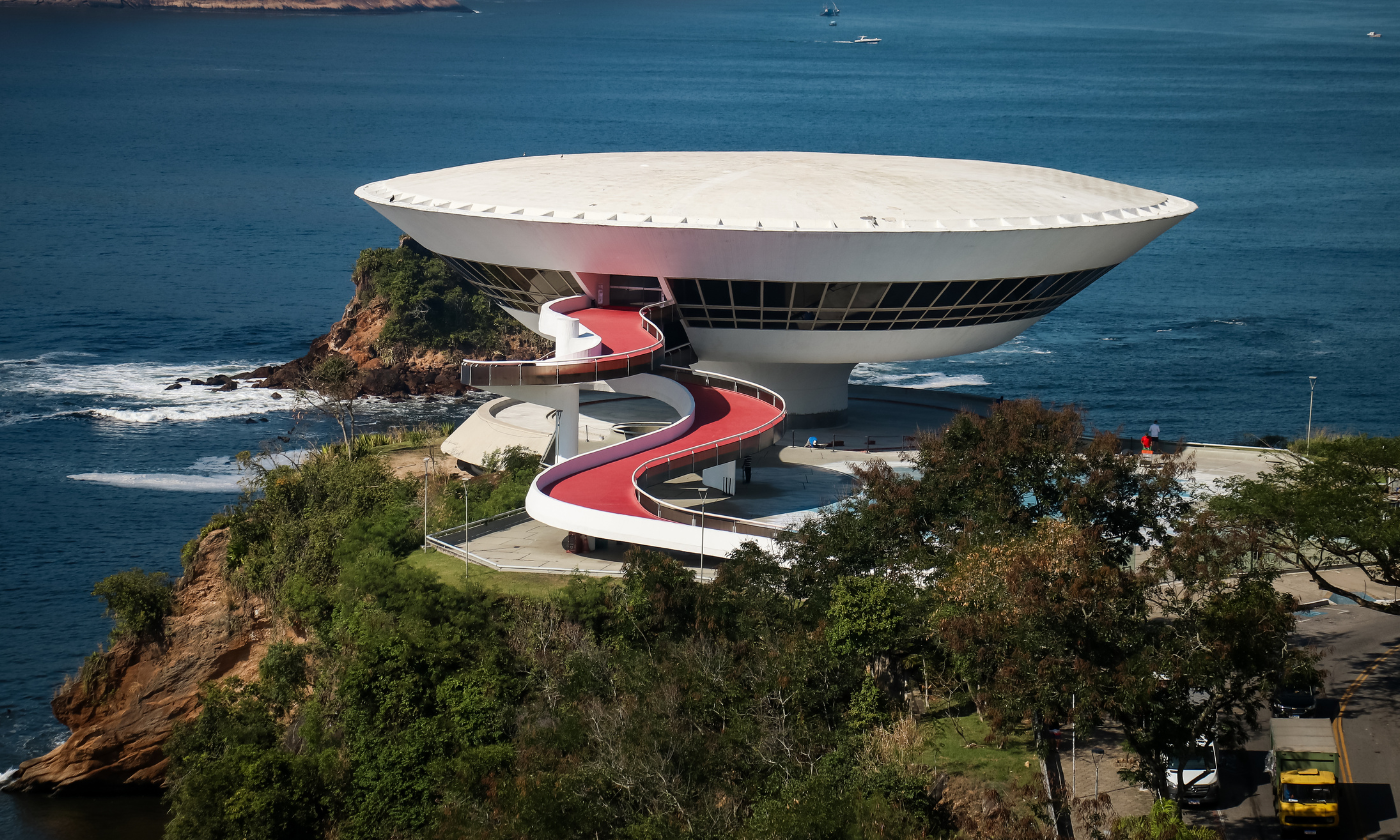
{"points": [[430, 305], [138, 601], [1340, 500], [986, 480], [332, 388], [866, 615]]}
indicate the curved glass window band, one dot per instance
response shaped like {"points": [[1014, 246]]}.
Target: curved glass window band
{"points": [[770, 305]]}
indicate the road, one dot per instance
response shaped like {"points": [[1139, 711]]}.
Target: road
{"points": [[1361, 654]]}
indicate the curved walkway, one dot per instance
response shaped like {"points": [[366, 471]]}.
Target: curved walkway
{"points": [[719, 415], [602, 493]]}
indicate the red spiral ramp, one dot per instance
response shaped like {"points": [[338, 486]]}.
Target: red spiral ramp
{"points": [[603, 493]]}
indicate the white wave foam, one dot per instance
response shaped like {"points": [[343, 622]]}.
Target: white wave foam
{"points": [[166, 481], [5, 777], [133, 392], [888, 374], [1232, 323], [217, 474]]}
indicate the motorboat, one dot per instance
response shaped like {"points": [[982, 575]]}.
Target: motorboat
{"points": [[833, 23], [830, 10], [864, 39], [1373, 34]]}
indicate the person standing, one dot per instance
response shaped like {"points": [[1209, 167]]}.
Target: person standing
{"points": [[748, 468], [1154, 431]]}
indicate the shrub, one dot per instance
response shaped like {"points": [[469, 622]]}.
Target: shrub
{"points": [[430, 306], [139, 601], [1164, 822]]}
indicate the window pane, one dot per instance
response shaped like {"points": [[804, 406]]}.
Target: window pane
{"points": [[868, 295], [1002, 289], [898, 295], [634, 281], [980, 290], [953, 293], [807, 295], [926, 295], [1022, 290], [716, 292], [746, 292], [777, 295], [1040, 289], [838, 295], [686, 291], [1059, 285]]}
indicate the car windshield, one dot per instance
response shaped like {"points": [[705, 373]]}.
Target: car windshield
{"points": [[1199, 761], [1307, 794]]}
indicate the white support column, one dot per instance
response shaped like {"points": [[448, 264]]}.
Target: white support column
{"points": [[565, 422]]}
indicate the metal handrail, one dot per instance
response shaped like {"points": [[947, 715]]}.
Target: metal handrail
{"points": [[578, 370], [675, 513]]}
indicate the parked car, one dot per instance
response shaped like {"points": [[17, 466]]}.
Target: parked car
{"points": [[1198, 771], [1294, 704]]}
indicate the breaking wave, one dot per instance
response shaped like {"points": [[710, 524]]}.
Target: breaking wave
{"points": [[165, 481], [896, 376], [61, 384], [210, 474]]}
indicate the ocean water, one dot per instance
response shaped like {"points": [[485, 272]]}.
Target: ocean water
{"points": [[175, 200]]}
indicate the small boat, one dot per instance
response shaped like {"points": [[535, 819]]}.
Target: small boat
{"points": [[833, 23], [866, 40], [1373, 34], [830, 10]]}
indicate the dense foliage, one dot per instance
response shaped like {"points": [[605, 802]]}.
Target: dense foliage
{"points": [[1340, 500], [138, 601], [430, 305], [778, 701]]}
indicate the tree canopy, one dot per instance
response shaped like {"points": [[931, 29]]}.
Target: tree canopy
{"points": [[1339, 504], [780, 700]]}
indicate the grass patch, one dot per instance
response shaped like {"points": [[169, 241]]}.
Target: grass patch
{"points": [[406, 446], [452, 572], [974, 753]]}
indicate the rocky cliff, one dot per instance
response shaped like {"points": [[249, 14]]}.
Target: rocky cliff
{"points": [[125, 703], [403, 372], [258, 5]]}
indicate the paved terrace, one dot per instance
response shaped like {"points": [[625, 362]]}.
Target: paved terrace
{"points": [[790, 483]]}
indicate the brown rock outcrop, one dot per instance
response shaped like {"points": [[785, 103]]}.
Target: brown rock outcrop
{"points": [[121, 714], [414, 371]]}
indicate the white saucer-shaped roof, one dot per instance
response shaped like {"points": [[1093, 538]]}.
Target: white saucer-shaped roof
{"points": [[775, 216], [778, 190]]}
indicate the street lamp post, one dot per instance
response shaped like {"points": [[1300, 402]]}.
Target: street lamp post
{"points": [[426, 462], [1312, 386], [704, 494]]}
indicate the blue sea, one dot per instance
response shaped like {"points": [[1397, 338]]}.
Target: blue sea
{"points": [[175, 200]]}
